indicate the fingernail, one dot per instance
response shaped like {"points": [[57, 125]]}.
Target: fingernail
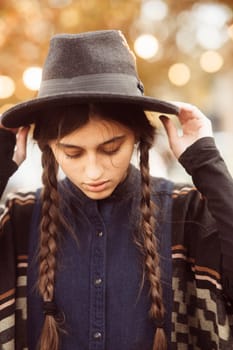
{"points": [[163, 117]]}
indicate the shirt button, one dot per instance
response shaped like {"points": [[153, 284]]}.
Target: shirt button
{"points": [[97, 335], [100, 234], [98, 281]]}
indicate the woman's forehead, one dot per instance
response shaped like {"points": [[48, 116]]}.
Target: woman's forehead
{"points": [[96, 131]]}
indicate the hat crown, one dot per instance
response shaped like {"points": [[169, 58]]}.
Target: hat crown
{"points": [[91, 67], [73, 55]]}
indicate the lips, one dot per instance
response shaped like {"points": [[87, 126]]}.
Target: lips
{"points": [[96, 186]]}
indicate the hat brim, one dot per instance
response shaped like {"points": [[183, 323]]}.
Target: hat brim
{"points": [[25, 113]]}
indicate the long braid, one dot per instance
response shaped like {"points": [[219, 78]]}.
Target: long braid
{"points": [[48, 248], [150, 249]]}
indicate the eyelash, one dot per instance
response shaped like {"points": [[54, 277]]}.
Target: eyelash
{"points": [[113, 151], [105, 152], [72, 157]]}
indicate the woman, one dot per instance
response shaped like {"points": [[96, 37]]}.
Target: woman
{"points": [[88, 259]]}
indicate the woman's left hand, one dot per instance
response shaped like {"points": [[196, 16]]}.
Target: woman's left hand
{"points": [[194, 125]]}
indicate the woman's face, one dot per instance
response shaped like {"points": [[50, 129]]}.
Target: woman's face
{"points": [[96, 156]]}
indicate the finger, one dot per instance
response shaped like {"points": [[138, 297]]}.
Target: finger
{"points": [[21, 145], [188, 111]]}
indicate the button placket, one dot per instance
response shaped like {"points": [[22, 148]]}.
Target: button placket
{"points": [[97, 294]]}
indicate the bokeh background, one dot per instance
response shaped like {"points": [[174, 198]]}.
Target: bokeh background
{"points": [[184, 51]]}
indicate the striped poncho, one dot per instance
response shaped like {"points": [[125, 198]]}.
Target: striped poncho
{"points": [[201, 256]]}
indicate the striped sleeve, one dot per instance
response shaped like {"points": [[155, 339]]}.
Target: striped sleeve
{"points": [[201, 314], [15, 218]]}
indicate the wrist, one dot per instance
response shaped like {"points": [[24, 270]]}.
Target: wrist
{"points": [[199, 154]]}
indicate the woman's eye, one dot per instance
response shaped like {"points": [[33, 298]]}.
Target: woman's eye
{"points": [[71, 156], [111, 151]]}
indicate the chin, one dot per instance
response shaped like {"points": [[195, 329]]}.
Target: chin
{"points": [[98, 195]]}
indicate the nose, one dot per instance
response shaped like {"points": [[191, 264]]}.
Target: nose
{"points": [[94, 169]]}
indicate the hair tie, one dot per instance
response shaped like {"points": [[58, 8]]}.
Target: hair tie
{"points": [[49, 308], [159, 323]]}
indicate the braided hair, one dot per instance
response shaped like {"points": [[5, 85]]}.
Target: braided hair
{"points": [[148, 245], [48, 247], [68, 119]]}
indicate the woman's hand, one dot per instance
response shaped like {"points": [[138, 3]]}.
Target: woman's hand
{"points": [[194, 126], [21, 145], [20, 151]]}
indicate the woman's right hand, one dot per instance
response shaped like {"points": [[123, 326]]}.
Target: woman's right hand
{"points": [[20, 151]]}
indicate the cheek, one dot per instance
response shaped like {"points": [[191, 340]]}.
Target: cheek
{"points": [[68, 166], [124, 157], [61, 159]]}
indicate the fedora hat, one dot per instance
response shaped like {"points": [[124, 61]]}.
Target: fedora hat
{"points": [[87, 67]]}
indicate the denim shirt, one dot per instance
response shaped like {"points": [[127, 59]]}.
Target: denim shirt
{"points": [[98, 278]]}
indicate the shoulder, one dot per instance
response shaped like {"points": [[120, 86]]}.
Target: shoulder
{"points": [[161, 185], [183, 189], [17, 207], [15, 223], [188, 201], [185, 198]]}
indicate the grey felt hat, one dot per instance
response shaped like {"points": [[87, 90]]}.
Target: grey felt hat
{"points": [[88, 67]]}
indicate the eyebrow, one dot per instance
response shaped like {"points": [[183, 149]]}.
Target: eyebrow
{"points": [[114, 139]]}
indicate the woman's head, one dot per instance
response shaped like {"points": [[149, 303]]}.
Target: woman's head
{"points": [[93, 144]]}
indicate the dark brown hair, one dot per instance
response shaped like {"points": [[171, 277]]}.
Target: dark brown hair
{"points": [[59, 122]]}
